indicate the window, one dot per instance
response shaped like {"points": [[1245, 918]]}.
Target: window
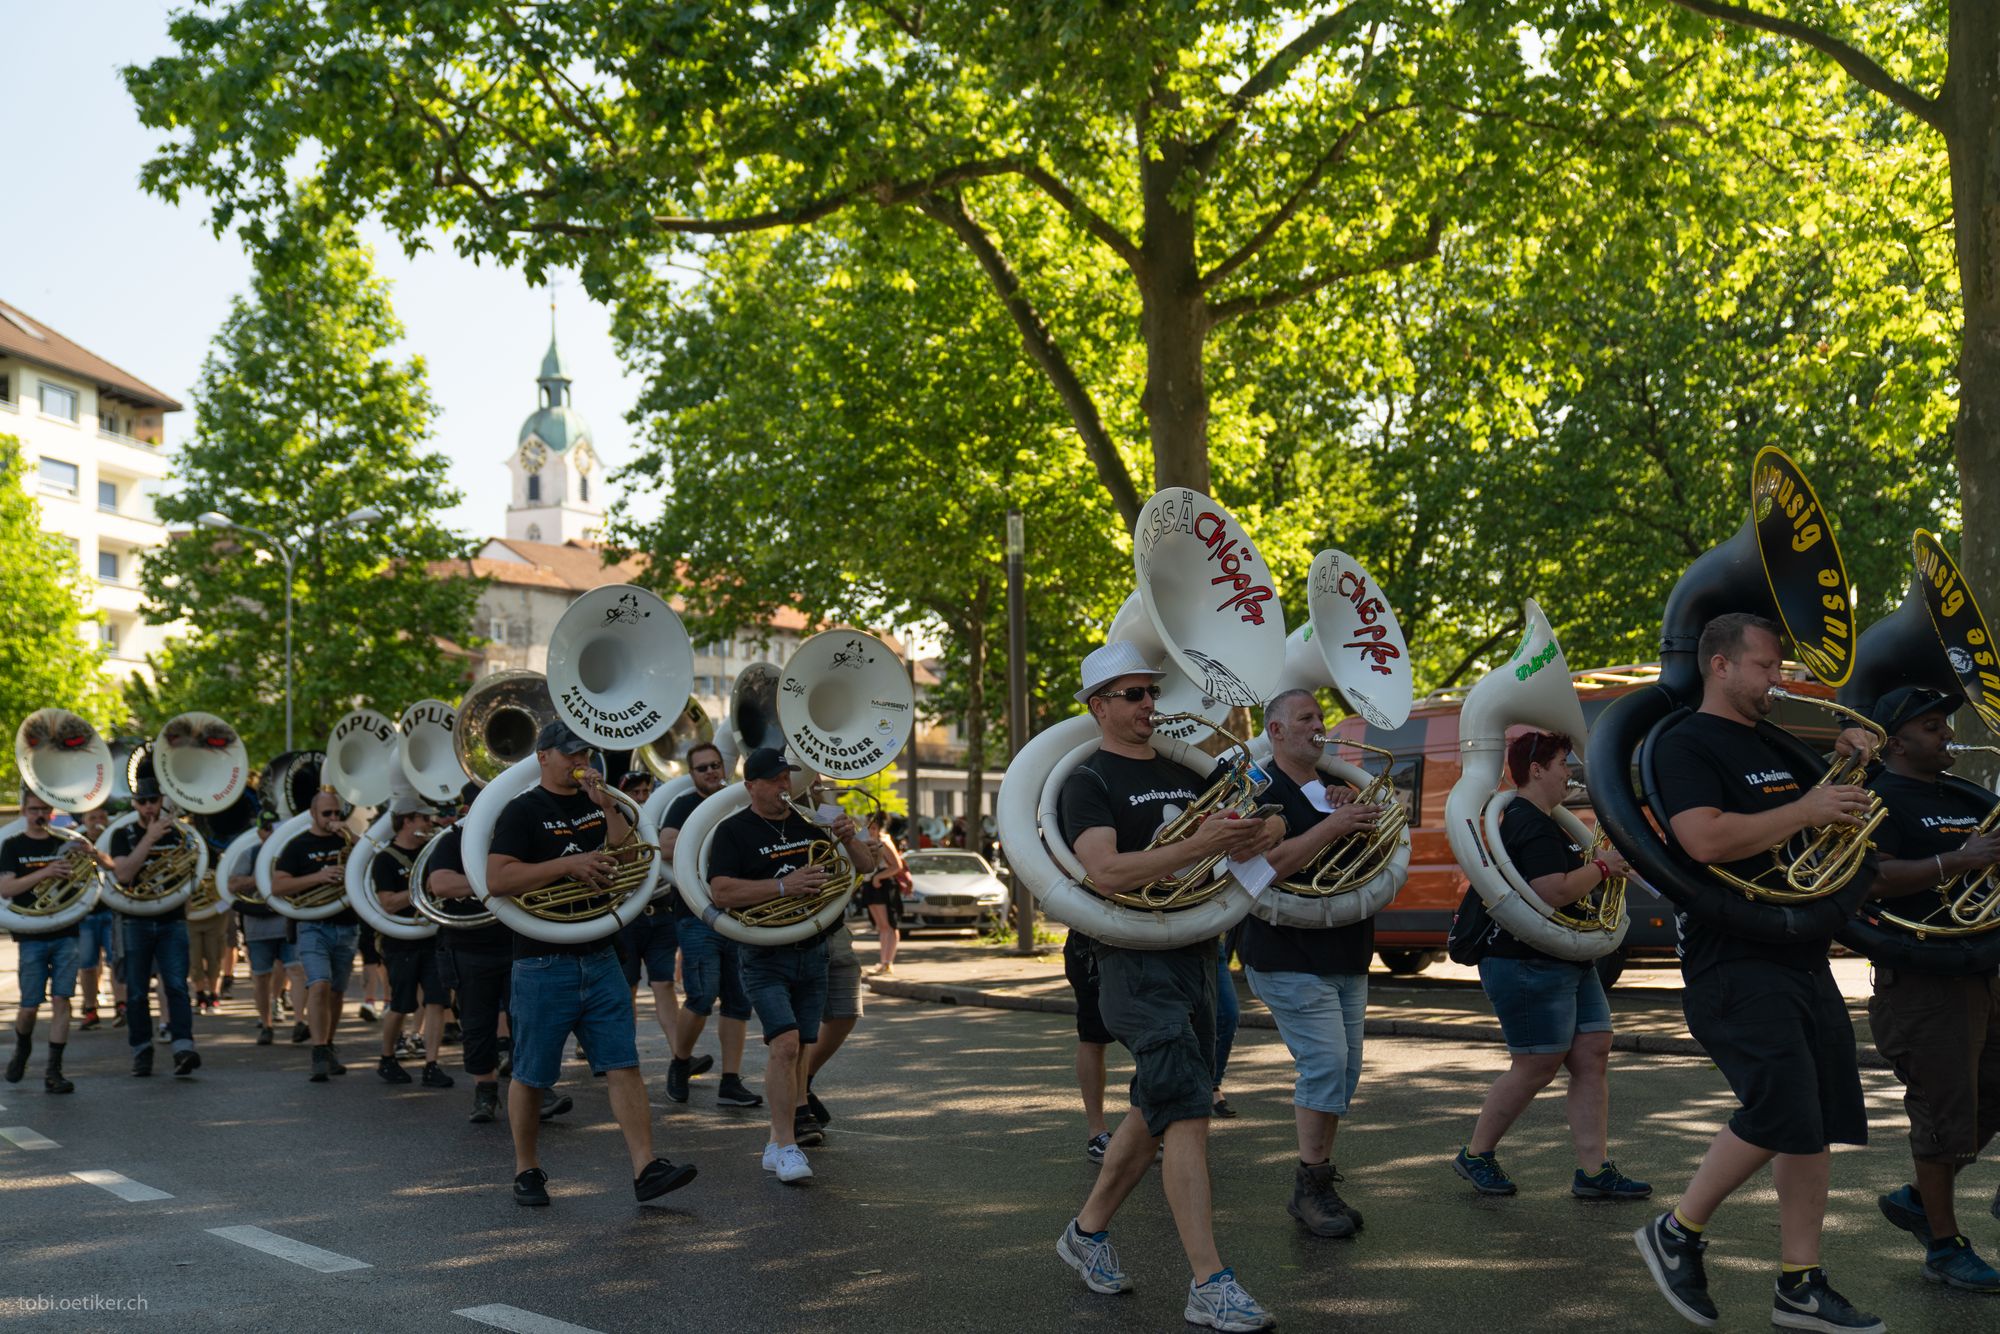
{"points": [[534, 532], [583, 488], [107, 496], [534, 487], [58, 401], [59, 478], [107, 566], [107, 634], [6, 389]]}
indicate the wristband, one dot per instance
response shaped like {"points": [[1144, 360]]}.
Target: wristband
{"points": [[1602, 870], [781, 884]]}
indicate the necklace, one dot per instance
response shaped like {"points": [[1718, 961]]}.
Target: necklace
{"points": [[777, 829]]}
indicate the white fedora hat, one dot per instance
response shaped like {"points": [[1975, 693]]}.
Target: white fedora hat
{"points": [[1119, 658]]}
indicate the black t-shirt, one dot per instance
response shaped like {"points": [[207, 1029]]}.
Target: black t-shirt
{"points": [[389, 873], [746, 846], [126, 838], [308, 854], [669, 903], [1537, 846], [21, 855], [540, 826], [1134, 798], [492, 938], [1299, 949], [1710, 761], [1924, 821]]}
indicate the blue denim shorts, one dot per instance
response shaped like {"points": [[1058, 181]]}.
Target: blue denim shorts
{"points": [[555, 995], [1320, 1017], [650, 940], [267, 954], [711, 967], [787, 988], [1542, 1004], [96, 937], [328, 952], [47, 965]]}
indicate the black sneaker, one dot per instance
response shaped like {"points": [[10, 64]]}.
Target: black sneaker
{"points": [[532, 1187], [806, 1131], [322, 1065], [677, 1078], [390, 1071], [452, 1033], [435, 1078], [17, 1064], [142, 1062], [264, 1035], [1095, 1146], [732, 1092], [55, 1083], [186, 1063], [1222, 1109], [485, 1103], [660, 1177], [1812, 1303], [818, 1109], [301, 1033], [1673, 1257], [701, 1065], [562, 1103]]}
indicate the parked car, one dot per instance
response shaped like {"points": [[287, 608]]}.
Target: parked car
{"points": [[951, 888]]}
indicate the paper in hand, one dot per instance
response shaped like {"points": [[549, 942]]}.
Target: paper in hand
{"points": [[828, 812], [1315, 792], [1254, 874]]}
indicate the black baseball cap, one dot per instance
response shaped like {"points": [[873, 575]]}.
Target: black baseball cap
{"points": [[470, 792], [1906, 704], [766, 762], [557, 736]]}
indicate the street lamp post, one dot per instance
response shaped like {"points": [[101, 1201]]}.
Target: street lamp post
{"points": [[217, 519], [1017, 700]]}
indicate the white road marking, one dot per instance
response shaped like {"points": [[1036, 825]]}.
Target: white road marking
{"points": [[312, 1257], [521, 1322], [124, 1187], [21, 1137]]}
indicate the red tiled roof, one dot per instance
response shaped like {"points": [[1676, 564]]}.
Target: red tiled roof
{"points": [[29, 339]]}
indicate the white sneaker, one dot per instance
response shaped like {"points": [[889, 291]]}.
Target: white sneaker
{"points": [[771, 1157], [792, 1164]]}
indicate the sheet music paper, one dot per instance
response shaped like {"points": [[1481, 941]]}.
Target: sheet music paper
{"points": [[1255, 874]]}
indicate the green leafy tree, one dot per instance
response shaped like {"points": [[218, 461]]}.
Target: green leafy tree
{"points": [[302, 418], [48, 657]]}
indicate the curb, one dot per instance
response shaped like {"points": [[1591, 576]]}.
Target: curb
{"points": [[1654, 1044]]}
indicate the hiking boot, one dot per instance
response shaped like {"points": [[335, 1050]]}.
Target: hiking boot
{"points": [[1222, 1304], [435, 1078], [1811, 1303], [322, 1065], [1673, 1257], [733, 1092], [1608, 1184], [677, 1078], [1094, 1258], [485, 1103], [390, 1071], [1317, 1205], [1955, 1264], [1483, 1170]]}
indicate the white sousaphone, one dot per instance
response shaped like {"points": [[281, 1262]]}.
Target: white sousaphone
{"points": [[239, 858], [1532, 688], [426, 750], [844, 707], [361, 768], [66, 763], [620, 671], [1352, 642], [1210, 605], [201, 768]]}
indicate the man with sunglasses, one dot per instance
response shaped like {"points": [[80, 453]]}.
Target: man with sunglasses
{"points": [[711, 967], [1159, 1003]]}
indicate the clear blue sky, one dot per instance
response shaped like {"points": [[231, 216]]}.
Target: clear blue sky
{"points": [[146, 285]]}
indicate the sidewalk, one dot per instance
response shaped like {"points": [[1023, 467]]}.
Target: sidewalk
{"points": [[1443, 1002]]}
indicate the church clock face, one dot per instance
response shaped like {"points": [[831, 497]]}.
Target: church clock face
{"points": [[584, 462], [534, 455]]}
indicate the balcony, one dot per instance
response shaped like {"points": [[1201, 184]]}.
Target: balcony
{"points": [[9, 405], [119, 438], [116, 595]]}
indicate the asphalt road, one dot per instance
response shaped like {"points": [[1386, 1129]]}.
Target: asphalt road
{"points": [[955, 1158]]}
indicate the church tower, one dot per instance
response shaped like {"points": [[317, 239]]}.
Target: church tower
{"points": [[557, 491]]}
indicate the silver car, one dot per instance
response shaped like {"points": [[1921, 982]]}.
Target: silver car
{"points": [[951, 888]]}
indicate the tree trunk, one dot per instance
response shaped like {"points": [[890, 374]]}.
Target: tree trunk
{"points": [[1972, 137], [975, 713], [1174, 321]]}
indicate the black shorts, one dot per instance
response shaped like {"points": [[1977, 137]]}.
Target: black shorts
{"points": [[371, 949], [1782, 1038], [1161, 1004], [1080, 967], [413, 968], [883, 894], [1942, 1035]]}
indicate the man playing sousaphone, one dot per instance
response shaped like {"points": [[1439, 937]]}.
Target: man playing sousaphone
{"points": [[1768, 1014], [415, 978], [556, 831], [153, 943], [315, 859], [1941, 1033], [1159, 1003], [48, 958]]}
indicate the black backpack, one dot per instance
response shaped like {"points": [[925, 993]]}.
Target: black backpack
{"points": [[1465, 943]]}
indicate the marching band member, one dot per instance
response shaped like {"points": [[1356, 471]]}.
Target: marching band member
{"points": [[1942, 1034], [1769, 1015], [326, 947], [555, 831], [267, 937], [1159, 1003], [711, 963], [158, 943], [47, 959], [1315, 982], [97, 937], [412, 964], [1553, 1012], [759, 854]]}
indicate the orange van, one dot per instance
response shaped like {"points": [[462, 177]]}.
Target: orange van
{"points": [[1410, 932]]}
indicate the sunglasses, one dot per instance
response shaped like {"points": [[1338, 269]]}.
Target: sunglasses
{"points": [[710, 767], [1131, 694]]}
